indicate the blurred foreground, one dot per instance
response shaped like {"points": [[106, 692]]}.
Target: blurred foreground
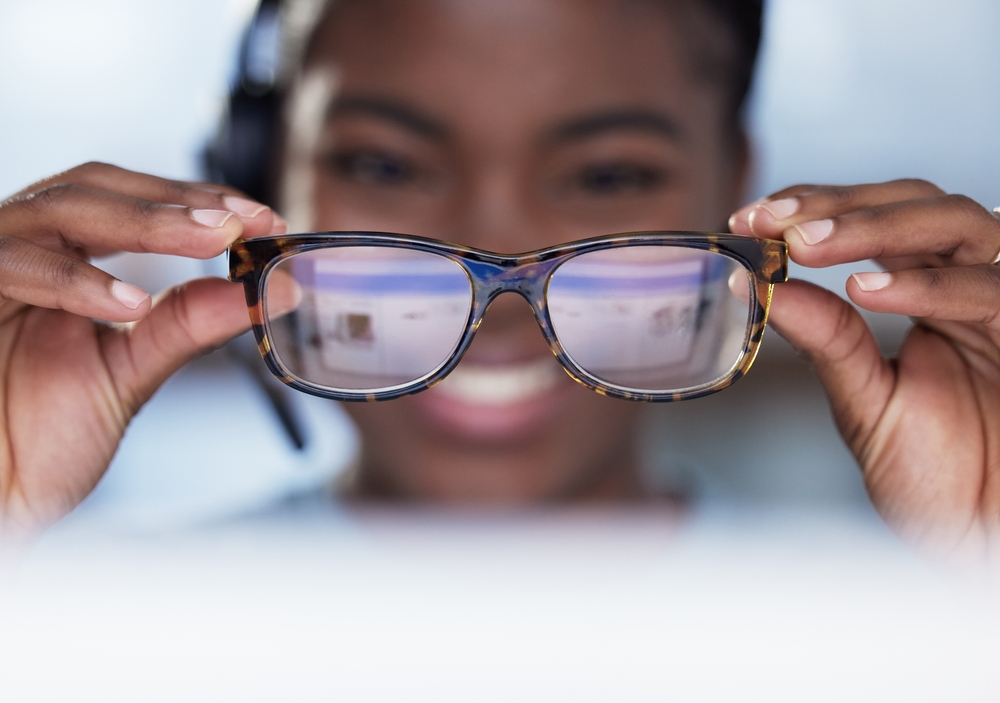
{"points": [[322, 603]]}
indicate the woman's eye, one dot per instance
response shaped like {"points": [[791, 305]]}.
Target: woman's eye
{"points": [[618, 178], [374, 168]]}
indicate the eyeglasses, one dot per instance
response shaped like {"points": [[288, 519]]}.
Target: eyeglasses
{"points": [[653, 316]]}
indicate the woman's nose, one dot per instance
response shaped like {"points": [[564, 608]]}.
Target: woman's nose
{"points": [[497, 212]]}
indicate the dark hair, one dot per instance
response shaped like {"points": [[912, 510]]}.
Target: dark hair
{"points": [[243, 150]]}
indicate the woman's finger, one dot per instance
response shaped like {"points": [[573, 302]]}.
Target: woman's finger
{"points": [[67, 217], [186, 321], [802, 203], [940, 231], [279, 226], [833, 335], [961, 294], [203, 196], [34, 275]]}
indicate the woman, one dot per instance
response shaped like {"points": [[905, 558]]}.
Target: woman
{"points": [[510, 127]]}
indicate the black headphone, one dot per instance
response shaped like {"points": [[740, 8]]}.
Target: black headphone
{"points": [[242, 152]]}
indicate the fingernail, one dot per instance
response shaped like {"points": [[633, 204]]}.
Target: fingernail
{"points": [[869, 282], [815, 232], [243, 207], [743, 214], [128, 295], [211, 218], [781, 209]]}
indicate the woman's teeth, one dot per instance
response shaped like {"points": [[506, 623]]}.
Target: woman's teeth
{"points": [[496, 384]]}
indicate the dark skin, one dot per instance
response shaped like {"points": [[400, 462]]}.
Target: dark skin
{"points": [[511, 168]]}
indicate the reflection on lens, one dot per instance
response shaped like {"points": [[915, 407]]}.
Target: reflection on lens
{"points": [[371, 318], [652, 318]]}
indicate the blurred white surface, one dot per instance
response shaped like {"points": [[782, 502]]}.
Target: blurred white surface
{"points": [[575, 606]]}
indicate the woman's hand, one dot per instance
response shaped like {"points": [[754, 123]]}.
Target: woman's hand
{"points": [[925, 427], [70, 385]]}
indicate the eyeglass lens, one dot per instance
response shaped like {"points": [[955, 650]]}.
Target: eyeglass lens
{"points": [[651, 318], [643, 318], [371, 318]]}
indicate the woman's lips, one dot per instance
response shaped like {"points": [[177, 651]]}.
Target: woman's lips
{"points": [[496, 402]]}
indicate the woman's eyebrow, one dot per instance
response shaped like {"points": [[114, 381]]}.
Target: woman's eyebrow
{"points": [[393, 111], [627, 120]]}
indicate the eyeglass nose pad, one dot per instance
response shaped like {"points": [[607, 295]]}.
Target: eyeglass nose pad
{"points": [[528, 281], [506, 320], [533, 291]]}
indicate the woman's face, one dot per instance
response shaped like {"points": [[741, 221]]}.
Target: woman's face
{"points": [[512, 126]]}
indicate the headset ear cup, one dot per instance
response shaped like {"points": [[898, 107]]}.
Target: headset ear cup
{"points": [[242, 153]]}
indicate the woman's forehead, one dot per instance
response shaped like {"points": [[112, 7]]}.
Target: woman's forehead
{"points": [[538, 36], [579, 55]]}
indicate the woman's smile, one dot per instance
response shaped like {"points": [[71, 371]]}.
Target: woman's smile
{"points": [[500, 385], [497, 402]]}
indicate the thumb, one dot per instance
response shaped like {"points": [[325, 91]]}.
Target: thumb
{"points": [[835, 338], [186, 321]]}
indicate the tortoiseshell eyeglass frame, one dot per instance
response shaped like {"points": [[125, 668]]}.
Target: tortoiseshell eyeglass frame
{"points": [[490, 274]]}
